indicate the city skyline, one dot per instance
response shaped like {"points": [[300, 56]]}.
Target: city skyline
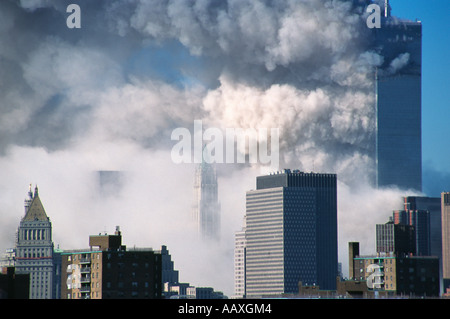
{"points": [[64, 118]]}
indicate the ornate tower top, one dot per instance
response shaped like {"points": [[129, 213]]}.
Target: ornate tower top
{"points": [[34, 210]]}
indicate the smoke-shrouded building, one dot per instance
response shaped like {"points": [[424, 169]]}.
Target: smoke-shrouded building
{"points": [[398, 103], [290, 233], [206, 210]]}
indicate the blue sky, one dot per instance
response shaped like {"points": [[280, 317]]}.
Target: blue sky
{"points": [[435, 17]]}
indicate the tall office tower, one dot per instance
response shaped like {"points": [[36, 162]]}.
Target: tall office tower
{"points": [[420, 220], [34, 248], [206, 211], [445, 206], [291, 233], [398, 103], [433, 206], [239, 263], [396, 239]]}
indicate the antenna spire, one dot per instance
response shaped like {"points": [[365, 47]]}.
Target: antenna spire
{"points": [[387, 9]]}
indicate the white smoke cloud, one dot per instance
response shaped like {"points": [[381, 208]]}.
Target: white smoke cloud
{"points": [[72, 105], [398, 63], [312, 123]]}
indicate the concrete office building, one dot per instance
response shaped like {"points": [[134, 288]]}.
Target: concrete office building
{"points": [[108, 270], [34, 249], [291, 233], [398, 103]]}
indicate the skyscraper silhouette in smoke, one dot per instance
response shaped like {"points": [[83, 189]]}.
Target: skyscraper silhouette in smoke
{"points": [[206, 210]]}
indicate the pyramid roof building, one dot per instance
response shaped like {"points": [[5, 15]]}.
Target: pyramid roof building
{"points": [[35, 211]]}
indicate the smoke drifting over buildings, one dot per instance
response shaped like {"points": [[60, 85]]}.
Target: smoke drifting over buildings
{"points": [[107, 96]]}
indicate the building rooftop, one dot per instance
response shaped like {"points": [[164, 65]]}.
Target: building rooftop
{"points": [[36, 210]]}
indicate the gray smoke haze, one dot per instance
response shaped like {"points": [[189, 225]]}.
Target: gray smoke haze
{"points": [[107, 97]]}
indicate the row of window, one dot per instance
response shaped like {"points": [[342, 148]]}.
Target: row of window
{"points": [[34, 234]]}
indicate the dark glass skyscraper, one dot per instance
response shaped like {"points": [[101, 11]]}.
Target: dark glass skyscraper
{"points": [[398, 104], [291, 233], [433, 206], [420, 220]]}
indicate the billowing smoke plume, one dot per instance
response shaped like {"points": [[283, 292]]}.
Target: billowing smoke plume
{"points": [[108, 95]]}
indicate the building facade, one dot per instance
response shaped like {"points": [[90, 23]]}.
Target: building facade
{"points": [[203, 293], [291, 233], [107, 270], [169, 276], [445, 206], [395, 238], [34, 251], [239, 263], [394, 274], [12, 285], [420, 221], [169, 273], [408, 276], [433, 206]]}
